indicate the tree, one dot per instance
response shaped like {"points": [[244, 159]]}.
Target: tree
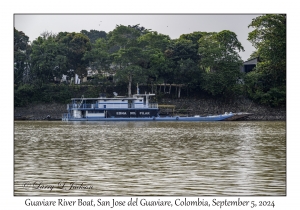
{"points": [[48, 59], [184, 58], [269, 39], [139, 28], [123, 36], [183, 49], [253, 55], [93, 35], [54, 55], [76, 45], [220, 62], [99, 57], [154, 41], [21, 56], [194, 38], [154, 45], [130, 64], [129, 57], [188, 74]]}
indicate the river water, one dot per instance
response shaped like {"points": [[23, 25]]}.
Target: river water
{"points": [[149, 158]]}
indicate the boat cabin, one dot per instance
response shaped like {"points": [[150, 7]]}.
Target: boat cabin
{"points": [[118, 107]]}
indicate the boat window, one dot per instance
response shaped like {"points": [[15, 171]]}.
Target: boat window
{"points": [[96, 111]]}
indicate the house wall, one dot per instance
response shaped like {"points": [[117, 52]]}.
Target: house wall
{"points": [[248, 68], [249, 65]]}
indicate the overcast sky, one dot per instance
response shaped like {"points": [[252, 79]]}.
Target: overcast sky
{"points": [[172, 25]]}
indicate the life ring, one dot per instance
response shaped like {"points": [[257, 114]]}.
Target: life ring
{"points": [[177, 118]]}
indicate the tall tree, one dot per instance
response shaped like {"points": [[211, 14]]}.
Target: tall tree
{"points": [[99, 57], [154, 46], [139, 28], [123, 36], [221, 62], [76, 45], [184, 58], [129, 59], [267, 84], [21, 56], [130, 64], [93, 35], [194, 38], [48, 59]]}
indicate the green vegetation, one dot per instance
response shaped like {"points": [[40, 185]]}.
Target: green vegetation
{"points": [[267, 84], [199, 63]]}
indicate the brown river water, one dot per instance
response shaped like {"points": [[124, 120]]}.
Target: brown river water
{"points": [[150, 158]]}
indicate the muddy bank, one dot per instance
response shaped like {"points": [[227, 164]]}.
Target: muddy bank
{"points": [[41, 111], [183, 106]]}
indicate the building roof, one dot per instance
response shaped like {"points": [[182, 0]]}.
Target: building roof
{"points": [[253, 61]]}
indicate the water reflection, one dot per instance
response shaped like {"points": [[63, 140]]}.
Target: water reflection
{"points": [[151, 158]]}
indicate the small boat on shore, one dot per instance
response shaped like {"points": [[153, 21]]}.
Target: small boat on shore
{"points": [[135, 108]]}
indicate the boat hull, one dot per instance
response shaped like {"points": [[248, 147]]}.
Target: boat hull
{"points": [[178, 118]]}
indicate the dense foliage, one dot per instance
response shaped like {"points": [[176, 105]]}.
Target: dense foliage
{"points": [[199, 63], [267, 84], [21, 57]]}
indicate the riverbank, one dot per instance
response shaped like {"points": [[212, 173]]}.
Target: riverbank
{"points": [[182, 106]]}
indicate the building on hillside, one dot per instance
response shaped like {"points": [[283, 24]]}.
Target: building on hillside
{"points": [[91, 72], [109, 74], [249, 65]]}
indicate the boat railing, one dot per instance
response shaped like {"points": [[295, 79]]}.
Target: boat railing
{"points": [[82, 106], [152, 105], [96, 106], [109, 105]]}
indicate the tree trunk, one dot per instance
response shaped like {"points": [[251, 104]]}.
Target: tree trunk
{"points": [[151, 87], [129, 85], [179, 90]]}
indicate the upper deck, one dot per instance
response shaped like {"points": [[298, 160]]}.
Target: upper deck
{"points": [[137, 101]]}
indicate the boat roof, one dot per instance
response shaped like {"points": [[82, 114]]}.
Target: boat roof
{"points": [[135, 96]]}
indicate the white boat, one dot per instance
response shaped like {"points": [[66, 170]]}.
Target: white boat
{"points": [[135, 108]]}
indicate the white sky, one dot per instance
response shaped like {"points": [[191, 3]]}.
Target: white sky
{"points": [[173, 25]]}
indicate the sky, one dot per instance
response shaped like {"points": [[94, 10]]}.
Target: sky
{"points": [[173, 25]]}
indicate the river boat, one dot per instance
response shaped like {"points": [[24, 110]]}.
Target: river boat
{"points": [[135, 108]]}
